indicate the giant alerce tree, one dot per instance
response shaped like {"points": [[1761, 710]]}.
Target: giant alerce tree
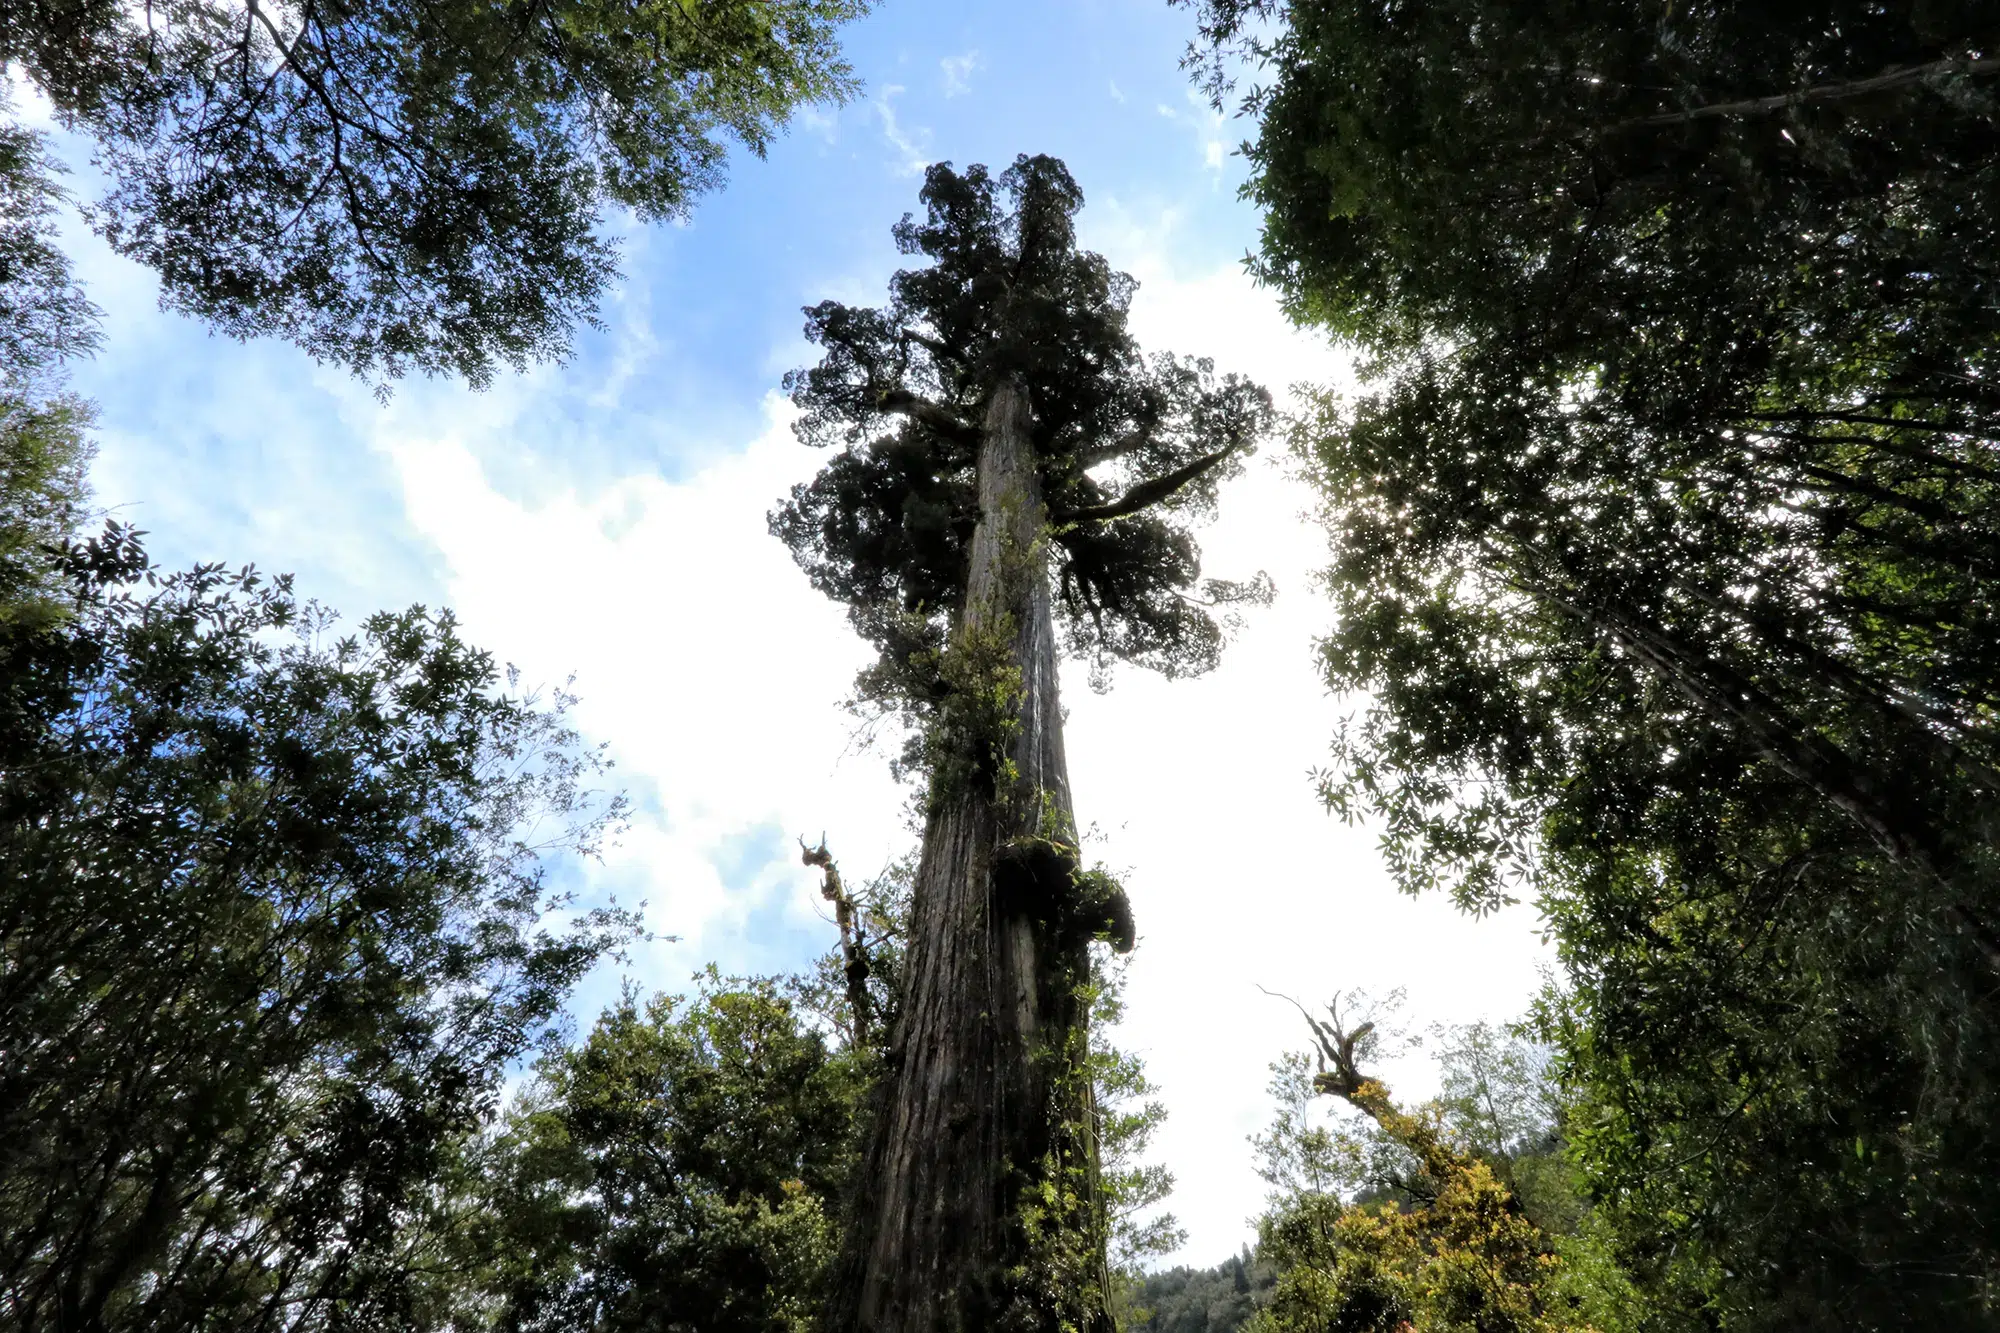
{"points": [[1015, 481]]}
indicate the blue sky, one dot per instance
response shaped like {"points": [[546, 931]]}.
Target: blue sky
{"points": [[707, 318], [605, 517]]}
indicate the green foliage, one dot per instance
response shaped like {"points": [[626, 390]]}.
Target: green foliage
{"points": [[44, 455], [45, 321], [1098, 907], [1091, 1210], [1841, 1103], [1054, 1276], [1664, 548], [1499, 1102], [44, 317], [272, 928], [1129, 450], [680, 1169], [1461, 1214], [977, 715], [1596, 1287], [406, 185], [1129, 1113]]}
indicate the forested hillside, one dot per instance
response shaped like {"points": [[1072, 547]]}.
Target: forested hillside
{"points": [[1660, 583], [1198, 1300]]}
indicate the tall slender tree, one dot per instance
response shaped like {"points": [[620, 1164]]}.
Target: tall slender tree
{"points": [[1017, 478]]}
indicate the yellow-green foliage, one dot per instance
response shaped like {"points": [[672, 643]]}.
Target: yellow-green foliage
{"points": [[1466, 1261], [1448, 1249], [1056, 1281], [1061, 1271]]}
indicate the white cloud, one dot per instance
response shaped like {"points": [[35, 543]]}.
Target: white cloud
{"points": [[716, 673], [958, 72], [912, 146], [1206, 124], [818, 121], [1117, 93], [1239, 879], [703, 657]]}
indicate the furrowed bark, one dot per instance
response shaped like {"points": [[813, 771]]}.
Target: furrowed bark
{"points": [[983, 1089]]}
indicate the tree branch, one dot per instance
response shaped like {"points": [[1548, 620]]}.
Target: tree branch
{"points": [[1826, 92], [1118, 448], [357, 212], [1733, 701], [853, 947], [932, 345], [1149, 493], [903, 403]]}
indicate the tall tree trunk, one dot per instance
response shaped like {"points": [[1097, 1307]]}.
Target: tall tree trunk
{"points": [[987, 1099]]}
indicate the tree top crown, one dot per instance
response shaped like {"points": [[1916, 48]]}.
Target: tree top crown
{"points": [[1129, 448]]}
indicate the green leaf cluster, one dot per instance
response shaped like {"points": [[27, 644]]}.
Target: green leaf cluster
{"points": [[1197, 1300], [45, 319], [1461, 1214], [1663, 551], [403, 185], [681, 1168], [273, 926], [45, 454], [1129, 450]]}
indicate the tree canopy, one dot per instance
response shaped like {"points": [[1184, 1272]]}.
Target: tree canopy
{"points": [[1129, 449], [1663, 546], [404, 185], [1663, 556], [273, 923], [1457, 1214], [45, 319], [680, 1168]]}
